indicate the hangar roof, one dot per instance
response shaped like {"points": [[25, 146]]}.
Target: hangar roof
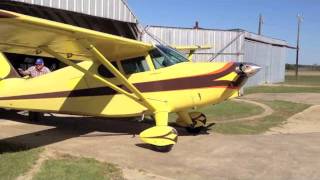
{"points": [[112, 16], [111, 9]]}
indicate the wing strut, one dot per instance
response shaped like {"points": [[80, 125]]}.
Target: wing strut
{"points": [[99, 78], [138, 98], [96, 53]]}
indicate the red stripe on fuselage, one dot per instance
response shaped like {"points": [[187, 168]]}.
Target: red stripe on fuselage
{"points": [[193, 82], [225, 68]]}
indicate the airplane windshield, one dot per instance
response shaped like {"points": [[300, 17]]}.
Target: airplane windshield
{"points": [[163, 57]]}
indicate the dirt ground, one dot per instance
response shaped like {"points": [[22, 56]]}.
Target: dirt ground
{"points": [[283, 155], [307, 121]]}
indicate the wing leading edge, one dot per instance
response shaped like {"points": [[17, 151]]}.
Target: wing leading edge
{"points": [[23, 34]]}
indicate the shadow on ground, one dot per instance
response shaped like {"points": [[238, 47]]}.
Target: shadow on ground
{"points": [[63, 127]]}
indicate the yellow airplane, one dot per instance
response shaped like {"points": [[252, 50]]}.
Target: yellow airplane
{"points": [[112, 76], [191, 49]]}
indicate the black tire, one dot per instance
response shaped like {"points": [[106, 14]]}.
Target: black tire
{"points": [[34, 116], [163, 149], [192, 130], [202, 118], [197, 130]]}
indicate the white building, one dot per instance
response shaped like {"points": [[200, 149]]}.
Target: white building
{"points": [[115, 17], [229, 45]]}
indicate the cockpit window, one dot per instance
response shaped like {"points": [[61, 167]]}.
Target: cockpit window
{"points": [[103, 71], [135, 65], [164, 56]]}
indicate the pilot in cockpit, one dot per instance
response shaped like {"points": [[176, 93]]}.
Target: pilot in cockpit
{"points": [[37, 70]]}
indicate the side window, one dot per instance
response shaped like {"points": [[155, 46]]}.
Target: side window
{"points": [[158, 59], [103, 71], [25, 61], [135, 65]]}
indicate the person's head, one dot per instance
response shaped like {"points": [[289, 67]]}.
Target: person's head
{"points": [[39, 63]]}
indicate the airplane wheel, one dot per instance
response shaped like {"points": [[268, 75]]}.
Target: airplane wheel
{"points": [[199, 121], [34, 116], [192, 130], [163, 148]]}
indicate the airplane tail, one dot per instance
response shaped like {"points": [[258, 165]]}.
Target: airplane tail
{"points": [[6, 69]]}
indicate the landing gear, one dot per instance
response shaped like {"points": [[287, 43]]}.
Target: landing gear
{"points": [[163, 149], [162, 137], [194, 122], [34, 116], [199, 121]]}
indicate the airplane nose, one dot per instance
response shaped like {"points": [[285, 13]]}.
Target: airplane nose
{"points": [[249, 69]]}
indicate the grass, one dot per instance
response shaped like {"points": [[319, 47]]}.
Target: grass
{"points": [[230, 110], [15, 160], [282, 111], [72, 168], [281, 89], [303, 72], [303, 80], [227, 110]]}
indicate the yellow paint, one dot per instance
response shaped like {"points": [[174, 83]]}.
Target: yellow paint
{"points": [[192, 49], [69, 79], [95, 52], [4, 67], [49, 93], [63, 38], [149, 62], [159, 136]]}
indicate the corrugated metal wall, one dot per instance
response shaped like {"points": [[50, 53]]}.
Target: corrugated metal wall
{"points": [[233, 45], [226, 43], [111, 26], [270, 54], [270, 58], [112, 9]]}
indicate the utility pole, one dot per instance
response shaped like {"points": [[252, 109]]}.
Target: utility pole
{"points": [[300, 18], [260, 24]]}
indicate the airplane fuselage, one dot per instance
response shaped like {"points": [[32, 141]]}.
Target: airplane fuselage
{"points": [[178, 87]]}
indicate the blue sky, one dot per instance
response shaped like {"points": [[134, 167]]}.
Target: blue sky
{"points": [[279, 19]]}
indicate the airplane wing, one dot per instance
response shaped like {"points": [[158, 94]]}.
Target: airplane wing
{"points": [[23, 34], [191, 47], [29, 35]]}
